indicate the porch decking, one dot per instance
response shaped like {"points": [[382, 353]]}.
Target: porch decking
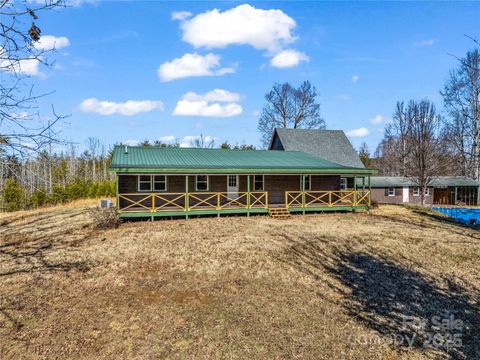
{"points": [[217, 203]]}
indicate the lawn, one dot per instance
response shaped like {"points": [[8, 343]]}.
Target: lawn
{"points": [[321, 286]]}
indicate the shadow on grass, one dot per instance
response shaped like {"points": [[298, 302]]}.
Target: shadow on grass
{"points": [[32, 254], [404, 306]]}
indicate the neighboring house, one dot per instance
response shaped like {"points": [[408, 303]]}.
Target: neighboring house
{"points": [[155, 181], [443, 190]]}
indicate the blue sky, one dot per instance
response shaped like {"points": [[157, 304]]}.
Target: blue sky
{"points": [[129, 71]]}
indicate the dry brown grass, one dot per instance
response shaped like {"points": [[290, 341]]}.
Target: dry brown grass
{"points": [[307, 287]]}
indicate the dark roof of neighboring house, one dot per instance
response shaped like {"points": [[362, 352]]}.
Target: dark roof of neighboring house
{"points": [[440, 181], [194, 160], [332, 145]]}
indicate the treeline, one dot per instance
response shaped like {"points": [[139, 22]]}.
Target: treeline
{"points": [[50, 178], [420, 142]]}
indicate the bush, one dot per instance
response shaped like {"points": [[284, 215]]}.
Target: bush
{"points": [[13, 195], [104, 218], [39, 198]]}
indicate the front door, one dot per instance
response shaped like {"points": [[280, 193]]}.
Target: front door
{"points": [[232, 186], [405, 194]]}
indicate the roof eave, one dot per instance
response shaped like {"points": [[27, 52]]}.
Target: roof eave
{"points": [[326, 171]]}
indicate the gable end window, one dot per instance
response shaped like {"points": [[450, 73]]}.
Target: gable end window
{"points": [[258, 182], [201, 183], [391, 191]]}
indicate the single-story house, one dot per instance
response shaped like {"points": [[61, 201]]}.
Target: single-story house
{"points": [[158, 181], [442, 190]]}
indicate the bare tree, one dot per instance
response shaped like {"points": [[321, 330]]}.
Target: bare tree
{"points": [[22, 129], [424, 142], [202, 141], [400, 130], [289, 107], [461, 95]]}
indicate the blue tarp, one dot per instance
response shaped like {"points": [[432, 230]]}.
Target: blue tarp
{"points": [[465, 215]]}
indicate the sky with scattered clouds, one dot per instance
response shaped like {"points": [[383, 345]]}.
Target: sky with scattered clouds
{"points": [[130, 71]]}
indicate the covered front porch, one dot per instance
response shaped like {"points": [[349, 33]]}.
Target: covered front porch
{"points": [[161, 195]]}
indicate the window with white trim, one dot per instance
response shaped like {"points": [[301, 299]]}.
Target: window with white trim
{"points": [[427, 191], [258, 182], [159, 183], [416, 191], [201, 183], [343, 183], [149, 182], [308, 182], [391, 191], [144, 183]]}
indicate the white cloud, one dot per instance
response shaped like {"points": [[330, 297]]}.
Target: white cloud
{"points": [[188, 140], [50, 42], [180, 15], [379, 120], [360, 132], [219, 95], [243, 25], [30, 67], [192, 65], [131, 142], [425, 42], [288, 58], [168, 139], [355, 78], [127, 108], [215, 103]]}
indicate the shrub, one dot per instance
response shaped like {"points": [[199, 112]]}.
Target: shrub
{"points": [[104, 218], [39, 198], [13, 195]]}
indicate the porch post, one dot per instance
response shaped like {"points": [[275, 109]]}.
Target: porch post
{"points": [[186, 196], [303, 193], [455, 196], [369, 192], [248, 195], [478, 196], [354, 191], [117, 204]]}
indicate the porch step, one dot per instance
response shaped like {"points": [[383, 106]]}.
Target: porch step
{"points": [[279, 213]]}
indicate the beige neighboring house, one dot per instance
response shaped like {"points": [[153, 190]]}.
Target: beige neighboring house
{"points": [[443, 190]]}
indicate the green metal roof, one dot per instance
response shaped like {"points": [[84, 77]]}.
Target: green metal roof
{"points": [[439, 181], [172, 159]]}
